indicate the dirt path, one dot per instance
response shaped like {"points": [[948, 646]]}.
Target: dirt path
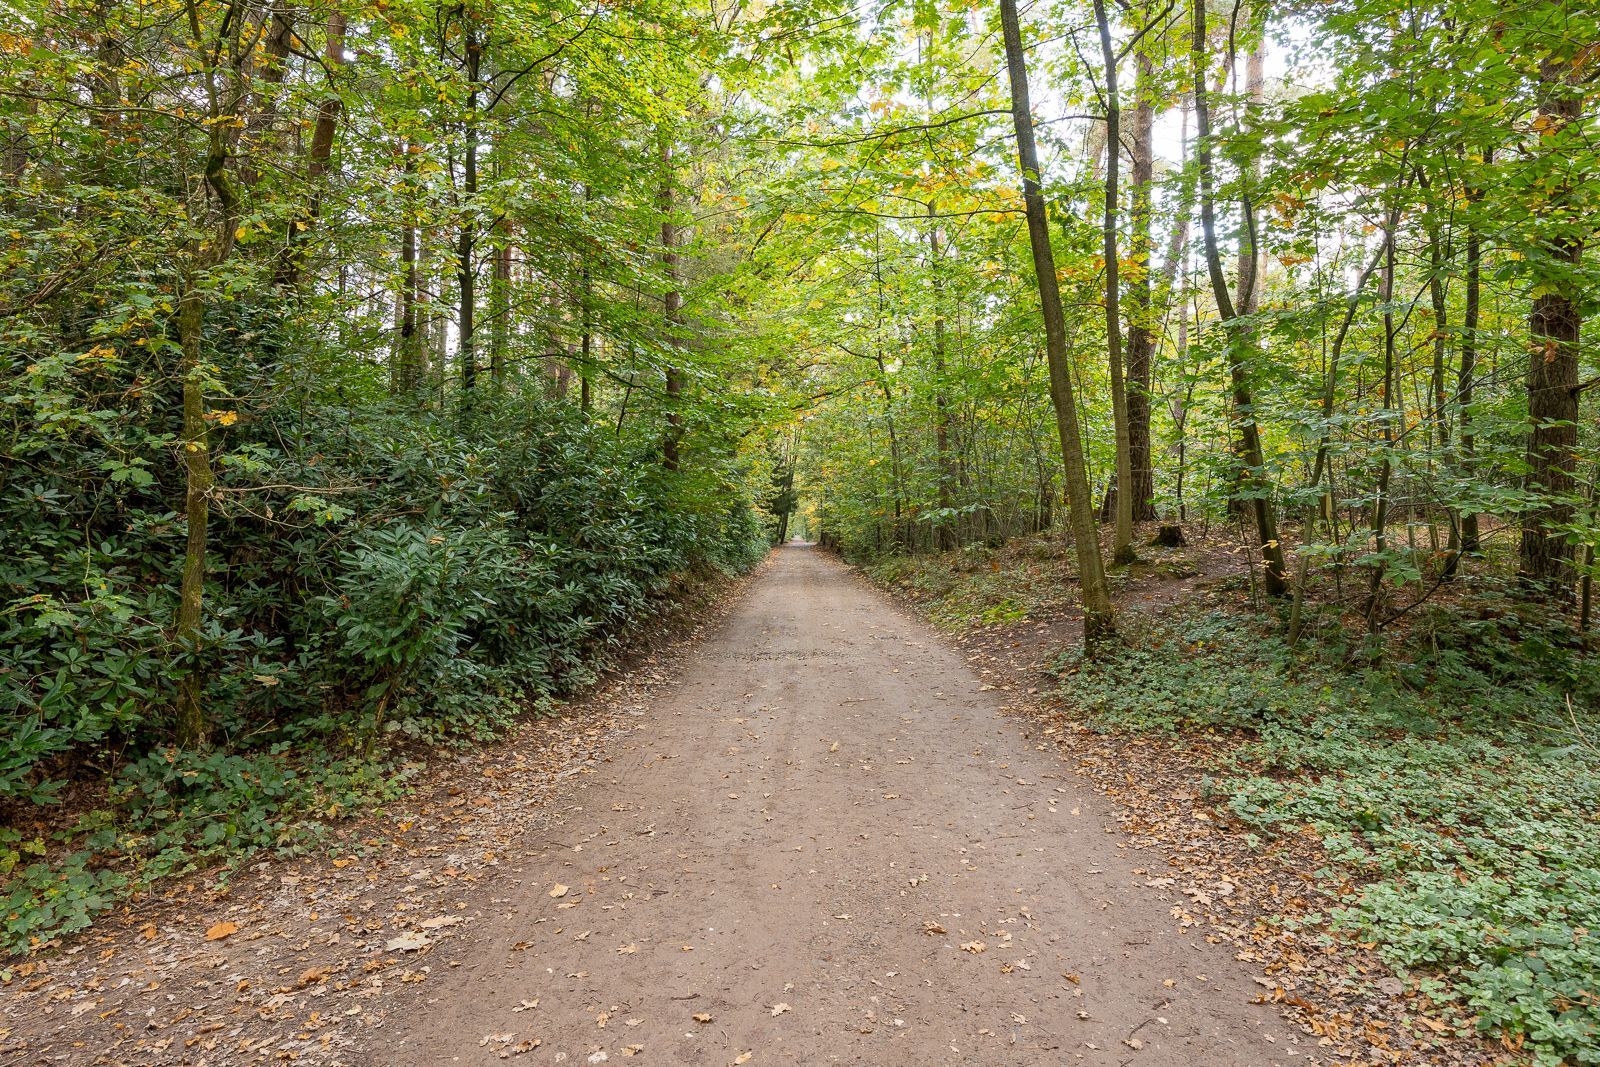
{"points": [[806, 836], [830, 847]]}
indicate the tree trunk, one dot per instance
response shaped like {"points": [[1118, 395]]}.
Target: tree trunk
{"points": [[409, 350], [1099, 620], [466, 245], [500, 303], [672, 306], [193, 725], [1546, 555], [945, 534], [1122, 539], [291, 261], [1380, 510], [1470, 541], [1141, 323], [1261, 507]]}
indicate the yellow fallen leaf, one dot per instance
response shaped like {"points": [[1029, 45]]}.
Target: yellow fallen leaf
{"points": [[974, 947], [702, 1016], [221, 930], [558, 890], [779, 1009], [743, 1057]]}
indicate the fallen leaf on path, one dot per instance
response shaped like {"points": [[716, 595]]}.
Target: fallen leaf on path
{"points": [[439, 921], [632, 1050], [702, 1016], [974, 947], [558, 890], [933, 928], [527, 1005], [221, 930], [411, 942], [519, 1048], [1134, 1043], [627, 950], [743, 1057], [779, 1009]]}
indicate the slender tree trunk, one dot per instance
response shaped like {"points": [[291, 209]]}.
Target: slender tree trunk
{"points": [[945, 534], [409, 350], [1470, 542], [222, 113], [1099, 619], [1380, 510], [1141, 332], [291, 260], [466, 243], [672, 306], [194, 726], [1122, 540], [1266, 520], [500, 302]]}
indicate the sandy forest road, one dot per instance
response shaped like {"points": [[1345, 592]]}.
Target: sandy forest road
{"points": [[828, 846]]}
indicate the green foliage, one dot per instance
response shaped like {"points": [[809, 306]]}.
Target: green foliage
{"points": [[401, 587], [1457, 780], [979, 586]]}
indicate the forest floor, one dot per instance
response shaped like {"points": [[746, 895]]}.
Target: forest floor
{"points": [[811, 833]]}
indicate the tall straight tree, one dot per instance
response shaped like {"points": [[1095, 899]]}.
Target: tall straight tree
{"points": [[1141, 331], [1099, 618], [1259, 489], [1122, 542]]}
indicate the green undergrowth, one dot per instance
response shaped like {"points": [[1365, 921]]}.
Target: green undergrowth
{"points": [[1456, 776], [979, 585], [382, 582]]}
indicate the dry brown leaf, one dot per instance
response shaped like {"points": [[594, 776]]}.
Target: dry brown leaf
{"points": [[218, 931], [558, 890], [974, 947], [779, 1009], [702, 1016]]}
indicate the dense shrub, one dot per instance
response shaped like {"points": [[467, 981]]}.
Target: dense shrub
{"points": [[378, 573]]}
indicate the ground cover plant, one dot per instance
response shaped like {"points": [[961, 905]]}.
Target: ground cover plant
{"points": [[1452, 785]]}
